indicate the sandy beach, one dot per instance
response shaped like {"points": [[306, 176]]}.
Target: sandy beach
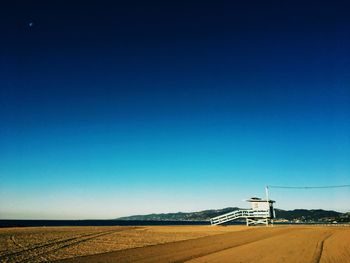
{"points": [[176, 244]]}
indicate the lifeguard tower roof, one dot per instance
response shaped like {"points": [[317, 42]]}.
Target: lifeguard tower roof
{"points": [[257, 199]]}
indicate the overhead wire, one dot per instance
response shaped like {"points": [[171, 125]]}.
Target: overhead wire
{"points": [[308, 187]]}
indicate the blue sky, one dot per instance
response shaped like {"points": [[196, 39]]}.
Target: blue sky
{"points": [[114, 109]]}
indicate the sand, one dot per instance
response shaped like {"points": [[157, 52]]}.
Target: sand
{"points": [[176, 244]]}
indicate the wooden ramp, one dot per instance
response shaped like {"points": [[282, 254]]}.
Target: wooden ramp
{"points": [[260, 216]]}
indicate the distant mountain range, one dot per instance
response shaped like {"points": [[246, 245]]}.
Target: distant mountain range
{"points": [[297, 215]]}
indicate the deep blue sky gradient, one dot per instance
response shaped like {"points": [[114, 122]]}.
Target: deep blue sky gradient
{"points": [[117, 108]]}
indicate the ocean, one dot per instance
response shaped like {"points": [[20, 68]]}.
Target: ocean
{"points": [[37, 223]]}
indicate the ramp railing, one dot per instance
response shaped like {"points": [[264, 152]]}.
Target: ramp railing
{"points": [[242, 213]]}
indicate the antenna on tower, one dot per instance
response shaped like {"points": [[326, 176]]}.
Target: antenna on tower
{"points": [[267, 192]]}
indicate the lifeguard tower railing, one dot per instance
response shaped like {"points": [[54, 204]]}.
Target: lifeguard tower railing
{"points": [[242, 213]]}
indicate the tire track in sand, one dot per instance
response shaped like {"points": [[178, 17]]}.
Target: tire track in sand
{"points": [[24, 248], [319, 249], [181, 251], [302, 245], [39, 250]]}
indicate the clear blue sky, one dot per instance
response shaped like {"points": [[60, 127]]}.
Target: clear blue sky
{"points": [[112, 109]]}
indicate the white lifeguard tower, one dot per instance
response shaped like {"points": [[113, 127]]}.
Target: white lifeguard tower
{"points": [[261, 212]]}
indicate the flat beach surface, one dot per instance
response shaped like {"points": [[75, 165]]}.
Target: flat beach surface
{"points": [[176, 244]]}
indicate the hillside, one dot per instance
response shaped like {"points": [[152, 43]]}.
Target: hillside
{"points": [[297, 215], [181, 216]]}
